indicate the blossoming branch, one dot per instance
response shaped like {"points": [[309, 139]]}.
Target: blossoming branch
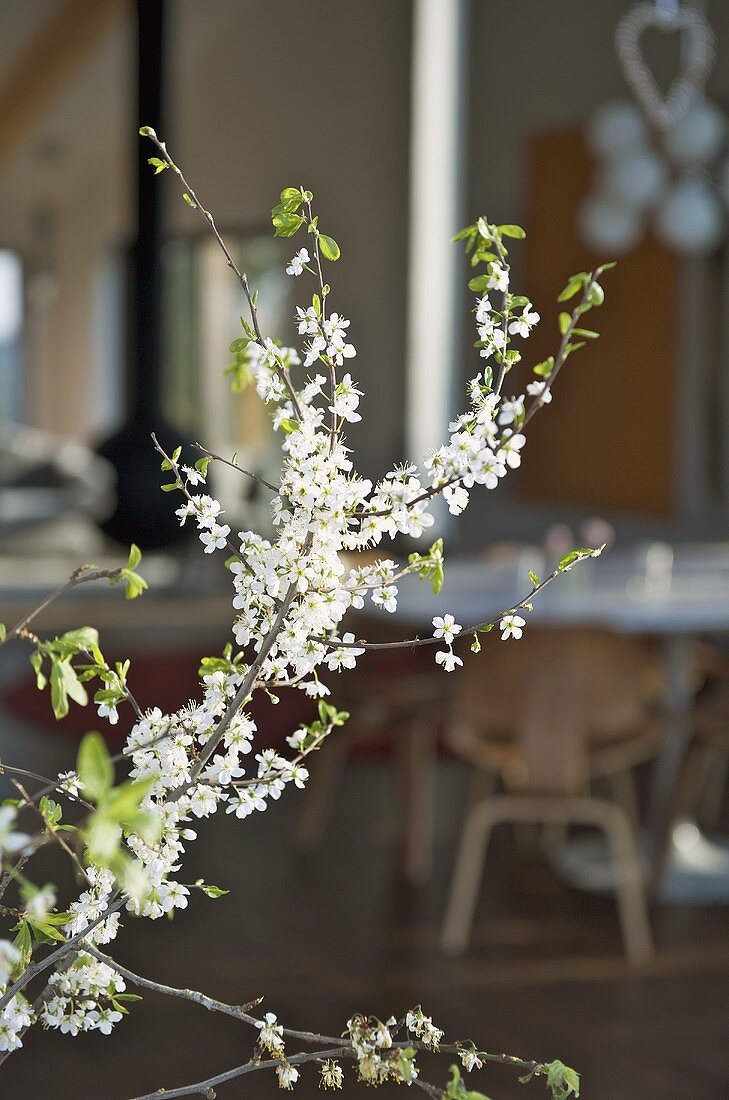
{"points": [[290, 597]]}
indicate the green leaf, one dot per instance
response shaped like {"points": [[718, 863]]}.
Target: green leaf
{"points": [[213, 891], [147, 131], [564, 321], [135, 556], [190, 202], [84, 637], [290, 425], [479, 284], [597, 295], [239, 345], [588, 333], [573, 347], [329, 247], [45, 930], [36, 660], [512, 231], [569, 559], [3, 632], [533, 578], [563, 1081], [569, 292], [94, 766], [65, 683], [157, 164], [124, 801], [135, 584], [286, 225], [545, 368], [24, 944]]}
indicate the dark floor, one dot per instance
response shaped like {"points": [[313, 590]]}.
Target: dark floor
{"points": [[337, 933]]}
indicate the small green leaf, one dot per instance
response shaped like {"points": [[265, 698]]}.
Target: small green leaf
{"points": [[24, 944], [147, 131], [135, 556], [3, 632], [213, 891], [36, 660], [94, 766], [545, 368], [597, 295], [533, 578], [515, 231], [329, 247], [189, 201], [286, 225], [563, 1081], [289, 425], [479, 284], [564, 321]]}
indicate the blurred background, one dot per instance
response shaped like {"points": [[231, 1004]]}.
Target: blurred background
{"points": [[534, 848]]}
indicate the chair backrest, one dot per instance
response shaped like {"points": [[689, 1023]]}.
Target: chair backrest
{"points": [[550, 695]]}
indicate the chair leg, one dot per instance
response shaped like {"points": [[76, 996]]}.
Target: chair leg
{"points": [[622, 789], [711, 798], [630, 882], [467, 875]]}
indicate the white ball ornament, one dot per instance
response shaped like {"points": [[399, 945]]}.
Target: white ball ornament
{"points": [[615, 128], [638, 179], [699, 137], [608, 225], [691, 218]]}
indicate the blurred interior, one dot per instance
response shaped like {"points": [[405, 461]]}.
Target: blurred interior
{"points": [[591, 925]]}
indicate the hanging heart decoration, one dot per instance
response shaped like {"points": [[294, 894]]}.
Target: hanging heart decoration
{"points": [[697, 56]]}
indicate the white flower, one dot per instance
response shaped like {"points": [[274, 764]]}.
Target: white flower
{"points": [[215, 538], [9, 958], [448, 659], [287, 1076], [194, 476], [446, 628], [103, 1020], [498, 278], [297, 264], [307, 321], [9, 840], [70, 782], [511, 410], [469, 1059], [108, 711], [511, 445], [332, 1075], [522, 326], [511, 626], [271, 1033], [539, 389], [40, 903]]}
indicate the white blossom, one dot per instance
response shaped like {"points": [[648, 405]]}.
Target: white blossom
{"points": [[512, 626], [296, 265]]}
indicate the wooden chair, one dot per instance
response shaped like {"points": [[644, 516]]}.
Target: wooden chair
{"points": [[546, 716]]}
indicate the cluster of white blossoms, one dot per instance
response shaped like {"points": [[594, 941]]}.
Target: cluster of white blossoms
{"points": [[290, 597]]}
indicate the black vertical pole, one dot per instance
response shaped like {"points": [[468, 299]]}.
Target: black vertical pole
{"points": [[143, 514], [146, 289]]}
